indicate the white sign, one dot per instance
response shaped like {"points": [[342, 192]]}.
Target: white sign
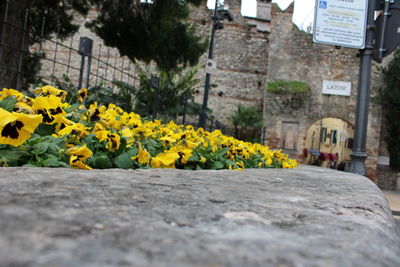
{"points": [[336, 88], [340, 22]]}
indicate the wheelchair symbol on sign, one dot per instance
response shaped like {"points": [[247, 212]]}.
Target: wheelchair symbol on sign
{"points": [[323, 4]]}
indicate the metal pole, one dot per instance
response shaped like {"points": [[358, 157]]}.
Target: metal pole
{"points": [[89, 64], [358, 156], [81, 72], [386, 14], [105, 72], [203, 113], [97, 69]]}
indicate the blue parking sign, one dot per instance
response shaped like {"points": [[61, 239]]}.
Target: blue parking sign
{"points": [[323, 4]]}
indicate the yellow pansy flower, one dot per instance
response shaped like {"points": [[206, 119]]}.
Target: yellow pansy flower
{"points": [[16, 128], [165, 160], [82, 94], [48, 107], [76, 163], [49, 90], [83, 152], [143, 157], [22, 107]]}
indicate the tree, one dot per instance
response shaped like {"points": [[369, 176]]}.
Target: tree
{"points": [[174, 96], [15, 44], [140, 30], [390, 99], [150, 31], [247, 122]]}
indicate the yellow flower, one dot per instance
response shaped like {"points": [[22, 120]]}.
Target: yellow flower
{"points": [[202, 159], [22, 107], [165, 160], [143, 156], [113, 139], [49, 90], [11, 92], [76, 163], [48, 107], [82, 94], [16, 128], [83, 152], [76, 128]]}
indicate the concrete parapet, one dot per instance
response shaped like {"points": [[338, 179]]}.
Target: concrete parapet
{"points": [[307, 216]]}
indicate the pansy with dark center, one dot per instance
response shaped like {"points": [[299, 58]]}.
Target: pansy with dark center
{"points": [[11, 129]]}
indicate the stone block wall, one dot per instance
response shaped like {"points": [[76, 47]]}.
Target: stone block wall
{"points": [[241, 53]]}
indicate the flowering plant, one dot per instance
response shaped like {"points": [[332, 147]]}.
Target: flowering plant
{"points": [[45, 131]]}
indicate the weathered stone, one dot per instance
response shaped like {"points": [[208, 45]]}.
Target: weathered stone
{"points": [[267, 217]]}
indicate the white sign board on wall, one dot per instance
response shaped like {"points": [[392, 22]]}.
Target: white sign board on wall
{"points": [[340, 22], [336, 88]]}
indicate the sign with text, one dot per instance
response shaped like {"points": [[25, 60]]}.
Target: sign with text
{"points": [[340, 22], [336, 88]]}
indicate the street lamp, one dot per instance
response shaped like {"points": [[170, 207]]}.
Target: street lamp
{"points": [[217, 17]]}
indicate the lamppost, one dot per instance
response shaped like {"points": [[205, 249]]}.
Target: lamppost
{"points": [[358, 156], [215, 25]]}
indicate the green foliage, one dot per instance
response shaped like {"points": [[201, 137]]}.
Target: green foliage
{"points": [[8, 103], [288, 87], [38, 151], [390, 100], [123, 95], [292, 94], [248, 122], [175, 89]]}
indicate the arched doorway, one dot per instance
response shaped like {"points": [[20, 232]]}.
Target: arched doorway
{"points": [[329, 142]]}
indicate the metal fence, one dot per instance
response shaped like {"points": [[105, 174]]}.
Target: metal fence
{"points": [[84, 62], [77, 61]]}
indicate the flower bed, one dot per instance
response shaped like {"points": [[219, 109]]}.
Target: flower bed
{"points": [[46, 131]]}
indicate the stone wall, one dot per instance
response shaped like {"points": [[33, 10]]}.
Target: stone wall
{"points": [[293, 56], [241, 53], [306, 216]]}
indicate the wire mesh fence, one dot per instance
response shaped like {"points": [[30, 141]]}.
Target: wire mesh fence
{"points": [[38, 59], [30, 58]]}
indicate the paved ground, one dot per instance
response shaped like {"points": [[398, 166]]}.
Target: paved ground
{"points": [[393, 197]]}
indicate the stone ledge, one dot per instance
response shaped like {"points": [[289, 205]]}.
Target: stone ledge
{"points": [[303, 217]]}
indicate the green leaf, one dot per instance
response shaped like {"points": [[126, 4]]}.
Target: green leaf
{"points": [[40, 148], [217, 165], [194, 157], [72, 107], [52, 161], [133, 151], [124, 161], [100, 161], [13, 156], [222, 152], [44, 129], [8, 103]]}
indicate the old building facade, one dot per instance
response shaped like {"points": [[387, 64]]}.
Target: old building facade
{"points": [[252, 52]]}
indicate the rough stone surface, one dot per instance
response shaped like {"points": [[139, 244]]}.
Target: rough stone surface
{"points": [[303, 217], [293, 56]]}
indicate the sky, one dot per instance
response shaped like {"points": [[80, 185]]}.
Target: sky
{"points": [[303, 13]]}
